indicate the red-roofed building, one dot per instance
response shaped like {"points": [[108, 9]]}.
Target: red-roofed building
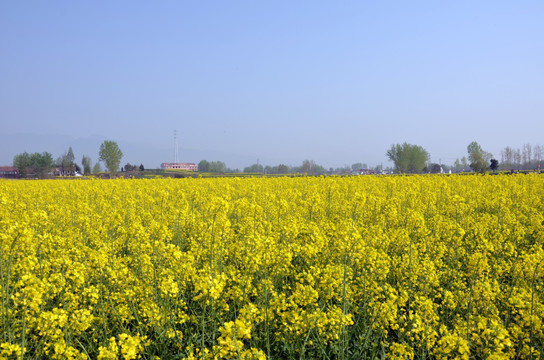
{"points": [[9, 172]]}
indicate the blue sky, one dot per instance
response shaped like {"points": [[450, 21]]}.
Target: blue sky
{"points": [[281, 81]]}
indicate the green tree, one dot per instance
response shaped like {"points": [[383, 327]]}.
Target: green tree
{"points": [[203, 166], [255, 168], [111, 155], [408, 158], [494, 164], [457, 165], [478, 157], [22, 162], [86, 163], [41, 164], [70, 158], [66, 162], [309, 167], [217, 167], [283, 169], [97, 168], [435, 168], [212, 166]]}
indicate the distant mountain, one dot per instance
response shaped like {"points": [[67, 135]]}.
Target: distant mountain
{"points": [[151, 156]]}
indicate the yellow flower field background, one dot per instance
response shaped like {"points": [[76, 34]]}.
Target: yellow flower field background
{"points": [[401, 267]]}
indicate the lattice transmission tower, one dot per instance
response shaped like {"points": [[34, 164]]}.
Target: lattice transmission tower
{"points": [[176, 154]]}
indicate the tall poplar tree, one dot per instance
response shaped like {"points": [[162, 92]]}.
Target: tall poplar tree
{"points": [[111, 155]]}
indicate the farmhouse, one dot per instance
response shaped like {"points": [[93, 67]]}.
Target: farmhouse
{"points": [[180, 166], [8, 172]]}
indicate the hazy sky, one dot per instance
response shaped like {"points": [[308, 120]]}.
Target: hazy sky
{"points": [[279, 81]]}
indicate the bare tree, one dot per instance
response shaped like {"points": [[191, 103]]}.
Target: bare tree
{"points": [[507, 158], [527, 156], [538, 152], [464, 163], [517, 158]]}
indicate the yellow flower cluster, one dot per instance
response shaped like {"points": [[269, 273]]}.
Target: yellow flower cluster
{"points": [[401, 267]]}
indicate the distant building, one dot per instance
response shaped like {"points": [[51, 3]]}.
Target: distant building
{"points": [[365, 172], [180, 166], [9, 172]]}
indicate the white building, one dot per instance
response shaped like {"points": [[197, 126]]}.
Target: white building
{"points": [[180, 166]]}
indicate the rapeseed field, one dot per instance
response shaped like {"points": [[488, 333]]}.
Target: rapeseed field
{"points": [[401, 267]]}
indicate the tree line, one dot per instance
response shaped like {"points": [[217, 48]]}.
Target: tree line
{"points": [[38, 164], [42, 165], [309, 167], [407, 158], [527, 158], [410, 158]]}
